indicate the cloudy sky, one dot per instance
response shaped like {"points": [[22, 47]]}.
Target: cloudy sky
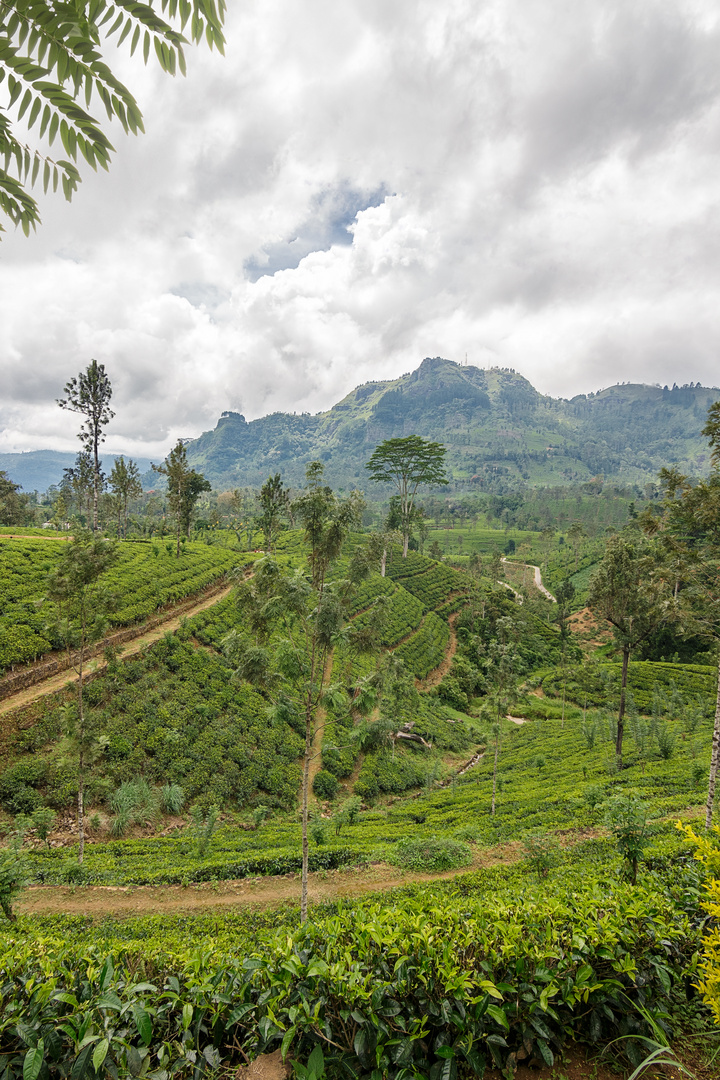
{"points": [[359, 184]]}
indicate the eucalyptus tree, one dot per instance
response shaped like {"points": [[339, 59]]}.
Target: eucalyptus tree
{"points": [[408, 463], [89, 394], [51, 58], [81, 601], [295, 621]]}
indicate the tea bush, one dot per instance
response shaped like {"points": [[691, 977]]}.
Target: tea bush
{"points": [[430, 853]]}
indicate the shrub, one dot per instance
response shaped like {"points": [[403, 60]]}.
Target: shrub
{"points": [[627, 818], [542, 852], [666, 741], [172, 798], [13, 872], [43, 821], [318, 832], [325, 785], [430, 853], [203, 828]]}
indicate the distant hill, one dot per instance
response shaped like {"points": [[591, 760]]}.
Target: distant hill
{"points": [[37, 470], [498, 430]]}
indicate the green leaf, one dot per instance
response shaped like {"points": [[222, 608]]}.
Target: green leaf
{"points": [[144, 1024], [498, 1016], [545, 1051], [33, 1061], [100, 1053]]}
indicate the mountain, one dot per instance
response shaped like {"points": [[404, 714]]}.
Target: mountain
{"points": [[36, 470], [499, 432], [498, 429]]}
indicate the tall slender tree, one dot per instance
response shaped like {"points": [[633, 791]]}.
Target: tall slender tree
{"points": [[309, 615], [76, 588], [89, 394], [408, 463]]}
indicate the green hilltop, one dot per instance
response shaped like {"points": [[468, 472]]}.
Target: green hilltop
{"points": [[498, 429]]}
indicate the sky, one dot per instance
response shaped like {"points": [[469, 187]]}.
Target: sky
{"points": [[360, 184]]}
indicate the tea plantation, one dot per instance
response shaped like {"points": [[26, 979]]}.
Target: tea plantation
{"points": [[574, 913]]}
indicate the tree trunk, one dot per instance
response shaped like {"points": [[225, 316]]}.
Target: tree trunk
{"points": [[305, 798], [96, 485], [81, 760], [406, 541], [81, 806], [495, 763], [621, 711], [177, 538], [383, 561], [715, 757]]}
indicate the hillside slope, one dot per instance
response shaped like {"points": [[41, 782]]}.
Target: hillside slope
{"points": [[498, 429]]}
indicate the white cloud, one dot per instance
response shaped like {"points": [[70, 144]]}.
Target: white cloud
{"points": [[551, 205]]}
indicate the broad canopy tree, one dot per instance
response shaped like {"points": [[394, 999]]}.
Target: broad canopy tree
{"points": [[89, 394], [408, 463], [51, 61]]}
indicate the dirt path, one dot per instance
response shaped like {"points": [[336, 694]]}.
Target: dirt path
{"points": [[434, 677], [537, 579], [256, 892], [57, 682]]}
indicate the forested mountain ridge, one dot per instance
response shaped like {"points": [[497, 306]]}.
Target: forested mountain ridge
{"points": [[500, 432], [498, 429]]}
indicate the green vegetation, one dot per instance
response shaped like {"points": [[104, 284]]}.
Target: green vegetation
{"points": [[292, 728], [144, 579]]}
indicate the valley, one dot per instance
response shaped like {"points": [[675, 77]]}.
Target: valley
{"points": [[269, 784]]}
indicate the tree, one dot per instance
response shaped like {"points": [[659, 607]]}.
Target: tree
{"points": [[630, 591], [78, 485], [13, 504], [274, 499], [501, 664], [89, 394], [687, 524], [576, 532], [82, 602], [407, 463], [296, 620], [184, 487], [125, 484], [50, 57]]}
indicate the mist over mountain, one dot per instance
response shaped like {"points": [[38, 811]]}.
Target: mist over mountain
{"points": [[499, 432]]}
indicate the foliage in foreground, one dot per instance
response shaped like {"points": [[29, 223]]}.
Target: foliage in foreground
{"points": [[709, 855], [486, 969]]}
